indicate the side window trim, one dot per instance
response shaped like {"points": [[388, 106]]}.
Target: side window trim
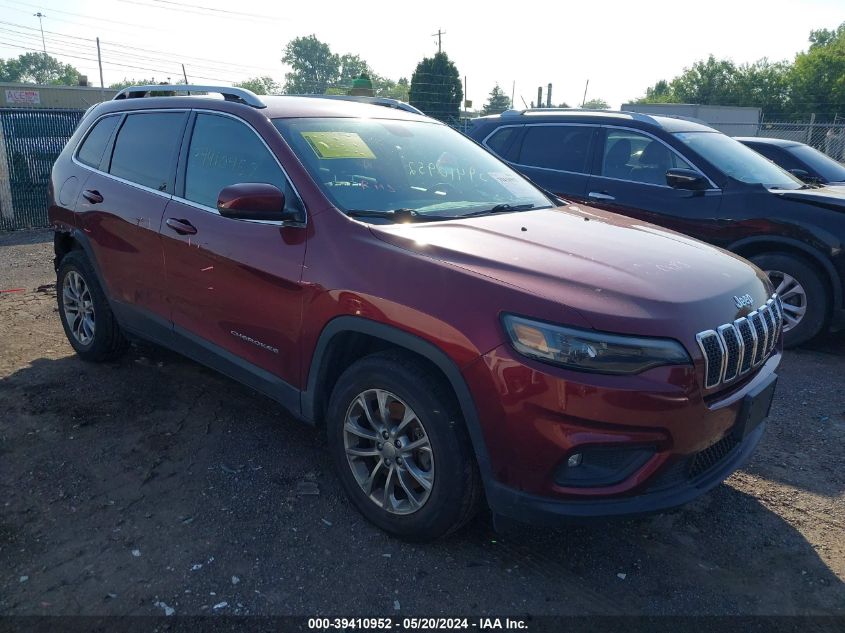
{"points": [[597, 162], [509, 145], [184, 152], [590, 147]]}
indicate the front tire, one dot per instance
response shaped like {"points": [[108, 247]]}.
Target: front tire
{"points": [[401, 449], [803, 295], [86, 317]]}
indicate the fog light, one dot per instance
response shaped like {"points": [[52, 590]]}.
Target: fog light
{"points": [[602, 465]]}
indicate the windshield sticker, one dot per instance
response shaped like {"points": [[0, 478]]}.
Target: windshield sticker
{"points": [[513, 183], [338, 145]]}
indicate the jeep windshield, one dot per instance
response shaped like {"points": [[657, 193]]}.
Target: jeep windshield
{"points": [[738, 161], [383, 170]]}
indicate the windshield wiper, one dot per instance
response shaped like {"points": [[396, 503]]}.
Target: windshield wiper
{"points": [[397, 215], [500, 208]]}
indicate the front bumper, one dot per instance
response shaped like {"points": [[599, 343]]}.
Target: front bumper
{"points": [[525, 507], [534, 416]]}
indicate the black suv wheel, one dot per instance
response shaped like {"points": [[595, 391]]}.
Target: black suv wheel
{"points": [[401, 449], [802, 293]]}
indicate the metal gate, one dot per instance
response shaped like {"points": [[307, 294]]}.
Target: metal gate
{"points": [[30, 141]]}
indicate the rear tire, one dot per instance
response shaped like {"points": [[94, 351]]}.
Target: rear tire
{"points": [[803, 294], [380, 405], [86, 317]]}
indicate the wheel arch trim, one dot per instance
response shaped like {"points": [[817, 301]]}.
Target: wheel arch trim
{"points": [[413, 343], [85, 244]]}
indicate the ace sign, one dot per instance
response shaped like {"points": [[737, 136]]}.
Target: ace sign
{"points": [[23, 97]]}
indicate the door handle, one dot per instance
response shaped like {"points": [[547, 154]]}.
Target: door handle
{"points": [[183, 227], [93, 196], [597, 195]]}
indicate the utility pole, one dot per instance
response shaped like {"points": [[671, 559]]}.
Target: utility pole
{"points": [[100, 62], [513, 92], [584, 100], [40, 15], [439, 35]]}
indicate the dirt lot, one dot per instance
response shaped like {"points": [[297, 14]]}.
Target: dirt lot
{"points": [[152, 484]]}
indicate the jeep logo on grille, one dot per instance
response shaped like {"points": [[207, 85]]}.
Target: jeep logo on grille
{"points": [[743, 301]]}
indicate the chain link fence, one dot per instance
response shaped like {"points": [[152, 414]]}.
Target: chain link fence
{"points": [[30, 142]]}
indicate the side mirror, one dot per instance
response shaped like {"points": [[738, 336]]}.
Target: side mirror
{"points": [[254, 201], [687, 179], [804, 175]]}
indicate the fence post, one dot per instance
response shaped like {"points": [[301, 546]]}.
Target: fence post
{"points": [[809, 135], [7, 211]]}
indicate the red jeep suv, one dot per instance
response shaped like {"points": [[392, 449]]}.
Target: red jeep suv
{"points": [[458, 332]]}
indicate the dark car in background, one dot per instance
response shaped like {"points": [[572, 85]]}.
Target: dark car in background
{"points": [[799, 159], [695, 180]]}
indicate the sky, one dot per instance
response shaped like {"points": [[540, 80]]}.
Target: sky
{"points": [[621, 47]]}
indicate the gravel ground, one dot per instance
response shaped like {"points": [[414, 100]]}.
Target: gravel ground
{"points": [[152, 484]]}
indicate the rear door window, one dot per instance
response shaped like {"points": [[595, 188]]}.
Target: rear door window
{"points": [[94, 146], [559, 147], [146, 147]]}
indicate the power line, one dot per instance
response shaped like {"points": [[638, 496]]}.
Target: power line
{"points": [[199, 6], [193, 12], [210, 64], [109, 63], [80, 15]]}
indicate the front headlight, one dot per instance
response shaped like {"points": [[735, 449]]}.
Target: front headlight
{"points": [[588, 350]]}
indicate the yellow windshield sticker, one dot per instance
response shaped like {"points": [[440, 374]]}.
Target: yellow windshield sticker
{"points": [[338, 145]]}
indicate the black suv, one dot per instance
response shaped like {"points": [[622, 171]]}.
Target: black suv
{"points": [[694, 179]]}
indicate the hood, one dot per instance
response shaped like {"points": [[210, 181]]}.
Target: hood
{"points": [[620, 274], [829, 197]]}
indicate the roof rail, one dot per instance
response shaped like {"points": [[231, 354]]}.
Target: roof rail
{"points": [[515, 112], [387, 102], [238, 95], [639, 116]]}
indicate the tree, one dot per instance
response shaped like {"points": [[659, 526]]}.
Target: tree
{"points": [[596, 104], [313, 66], [38, 68], [265, 85], [824, 37], [352, 67], [125, 82], [436, 88], [812, 84], [817, 78], [763, 84], [497, 102], [658, 93], [316, 70], [393, 89]]}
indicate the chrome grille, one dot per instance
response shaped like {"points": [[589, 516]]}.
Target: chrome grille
{"points": [[734, 349], [759, 326]]}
